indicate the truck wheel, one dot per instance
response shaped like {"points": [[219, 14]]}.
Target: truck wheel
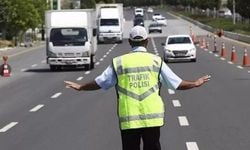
{"points": [[53, 67]]}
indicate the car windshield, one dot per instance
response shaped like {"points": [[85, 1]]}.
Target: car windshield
{"points": [[179, 40], [68, 36], [109, 22], [155, 25]]}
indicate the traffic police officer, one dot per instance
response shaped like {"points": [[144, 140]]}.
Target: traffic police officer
{"points": [[137, 77]]}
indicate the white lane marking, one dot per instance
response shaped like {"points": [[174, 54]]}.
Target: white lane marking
{"points": [[176, 103], [230, 62], [104, 56], [192, 146], [107, 53], [56, 95], [43, 61], [97, 63], [216, 55], [110, 50], [37, 108], [183, 121], [210, 52], [101, 59], [222, 58], [9, 126], [170, 91], [79, 79], [240, 67], [24, 69], [249, 71], [34, 65], [87, 72]]}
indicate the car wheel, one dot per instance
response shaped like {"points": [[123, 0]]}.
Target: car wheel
{"points": [[193, 60]]}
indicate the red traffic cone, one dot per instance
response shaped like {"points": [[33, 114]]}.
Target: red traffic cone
{"points": [[5, 68], [245, 62], [233, 55], [223, 50]]}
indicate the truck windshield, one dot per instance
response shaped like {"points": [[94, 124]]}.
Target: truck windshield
{"points": [[109, 22], [68, 36]]}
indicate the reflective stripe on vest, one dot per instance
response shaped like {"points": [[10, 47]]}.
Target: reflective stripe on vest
{"points": [[136, 96], [142, 117]]}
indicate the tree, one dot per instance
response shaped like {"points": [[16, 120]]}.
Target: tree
{"points": [[87, 4], [4, 16]]}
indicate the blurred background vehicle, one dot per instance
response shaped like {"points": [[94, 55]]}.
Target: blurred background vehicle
{"points": [[156, 15], [161, 20], [155, 27], [139, 21], [150, 10], [139, 11]]}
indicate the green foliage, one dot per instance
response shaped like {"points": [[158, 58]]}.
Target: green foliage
{"points": [[87, 4], [19, 15]]}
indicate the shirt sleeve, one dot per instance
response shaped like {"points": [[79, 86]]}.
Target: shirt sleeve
{"points": [[169, 78], [107, 79]]}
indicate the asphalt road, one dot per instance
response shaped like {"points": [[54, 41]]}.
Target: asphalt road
{"points": [[38, 113]]}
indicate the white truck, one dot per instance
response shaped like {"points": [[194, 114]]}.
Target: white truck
{"points": [[70, 38], [110, 22]]}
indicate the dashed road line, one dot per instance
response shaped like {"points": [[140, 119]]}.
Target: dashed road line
{"points": [[8, 127], [56, 95], [87, 72], [24, 69], [192, 146], [97, 63], [176, 103], [43, 61], [171, 92], [183, 121], [36, 108], [240, 67], [34, 65], [79, 79], [101, 59]]}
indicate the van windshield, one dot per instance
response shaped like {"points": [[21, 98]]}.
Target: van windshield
{"points": [[68, 36], [109, 22]]}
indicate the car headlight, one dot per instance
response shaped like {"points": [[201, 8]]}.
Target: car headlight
{"points": [[85, 54], [168, 50], [192, 50], [51, 54]]}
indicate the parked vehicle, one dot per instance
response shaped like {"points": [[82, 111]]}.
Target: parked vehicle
{"points": [[71, 38], [179, 47], [110, 22]]}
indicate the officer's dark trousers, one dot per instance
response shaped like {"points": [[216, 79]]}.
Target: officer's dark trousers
{"points": [[131, 138]]}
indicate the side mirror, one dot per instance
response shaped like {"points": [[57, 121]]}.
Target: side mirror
{"points": [[94, 32]]}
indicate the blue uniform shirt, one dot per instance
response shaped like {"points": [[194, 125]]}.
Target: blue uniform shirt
{"points": [[108, 78]]}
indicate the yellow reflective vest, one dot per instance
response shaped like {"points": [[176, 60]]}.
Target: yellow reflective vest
{"points": [[138, 85]]}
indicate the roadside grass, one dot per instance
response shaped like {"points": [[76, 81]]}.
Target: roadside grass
{"points": [[219, 23]]}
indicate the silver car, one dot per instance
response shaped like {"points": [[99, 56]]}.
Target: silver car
{"points": [[155, 27]]}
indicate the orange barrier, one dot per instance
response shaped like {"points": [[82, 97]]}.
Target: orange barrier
{"points": [[233, 55], [5, 68], [223, 50], [245, 62]]}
